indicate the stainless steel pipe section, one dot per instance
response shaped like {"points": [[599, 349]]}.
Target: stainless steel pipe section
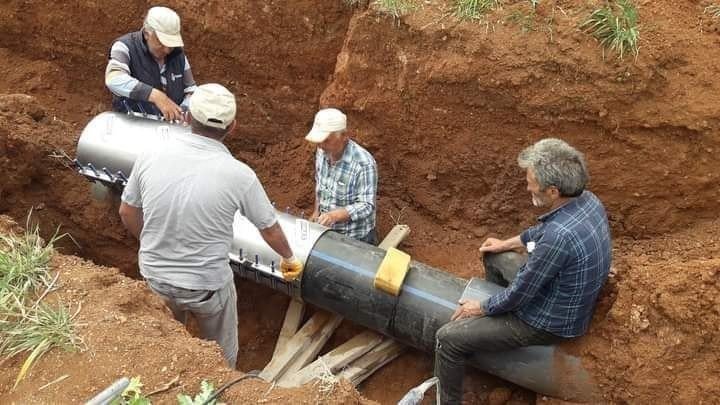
{"points": [[111, 141], [339, 271], [260, 263]]}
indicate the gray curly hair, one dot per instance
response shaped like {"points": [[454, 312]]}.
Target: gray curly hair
{"points": [[555, 163]]}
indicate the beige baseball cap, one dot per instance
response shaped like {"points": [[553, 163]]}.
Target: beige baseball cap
{"points": [[166, 24], [213, 105], [327, 121]]}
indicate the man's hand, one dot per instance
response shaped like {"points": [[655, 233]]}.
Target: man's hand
{"points": [[291, 268], [492, 245], [314, 216], [327, 219], [468, 309], [168, 108]]}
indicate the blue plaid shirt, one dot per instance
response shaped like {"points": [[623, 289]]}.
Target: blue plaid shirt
{"points": [[557, 288], [350, 183]]}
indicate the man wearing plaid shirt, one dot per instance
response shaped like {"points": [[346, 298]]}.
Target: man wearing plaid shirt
{"points": [[550, 294], [345, 179]]}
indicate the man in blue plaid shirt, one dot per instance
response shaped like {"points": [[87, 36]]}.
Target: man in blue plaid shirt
{"points": [[550, 294], [345, 179]]}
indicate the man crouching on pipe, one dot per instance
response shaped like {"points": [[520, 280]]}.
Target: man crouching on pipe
{"points": [[551, 292], [180, 201]]}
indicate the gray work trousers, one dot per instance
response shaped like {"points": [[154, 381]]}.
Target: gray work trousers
{"points": [[458, 340], [215, 312]]}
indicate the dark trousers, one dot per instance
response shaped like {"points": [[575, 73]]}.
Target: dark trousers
{"points": [[458, 340]]}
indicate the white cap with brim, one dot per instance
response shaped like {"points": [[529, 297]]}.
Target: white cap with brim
{"points": [[327, 121], [213, 105], [166, 25]]}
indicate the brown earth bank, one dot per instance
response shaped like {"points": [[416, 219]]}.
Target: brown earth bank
{"points": [[445, 106]]}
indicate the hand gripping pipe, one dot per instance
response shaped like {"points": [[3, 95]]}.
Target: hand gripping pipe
{"points": [[339, 271]]}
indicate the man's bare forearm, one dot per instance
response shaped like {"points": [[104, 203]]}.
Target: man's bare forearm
{"points": [[513, 243], [275, 237]]}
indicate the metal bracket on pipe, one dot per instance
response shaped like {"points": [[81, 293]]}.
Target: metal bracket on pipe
{"points": [[262, 275], [118, 180]]}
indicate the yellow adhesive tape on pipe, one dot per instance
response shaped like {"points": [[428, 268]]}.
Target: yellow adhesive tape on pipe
{"points": [[392, 271]]}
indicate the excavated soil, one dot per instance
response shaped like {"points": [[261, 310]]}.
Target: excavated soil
{"points": [[445, 106]]}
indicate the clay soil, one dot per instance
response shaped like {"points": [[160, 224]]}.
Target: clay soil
{"points": [[444, 106]]}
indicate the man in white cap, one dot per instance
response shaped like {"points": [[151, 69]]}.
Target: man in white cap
{"points": [[148, 71], [180, 201], [345, 179]]}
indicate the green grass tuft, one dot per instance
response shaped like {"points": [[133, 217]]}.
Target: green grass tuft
{"points": [[27, 324], [24, 261], [713, 10], [616, 27], [474, 9], [396, 8]]}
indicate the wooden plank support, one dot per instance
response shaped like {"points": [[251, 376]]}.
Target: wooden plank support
{"points": [[310, 353], [334, 360], [395, 237], [295, 346], [293, 318], [380, 355]]}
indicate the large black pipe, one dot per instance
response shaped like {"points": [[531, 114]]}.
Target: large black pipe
{"points": [[338, 277], [339, 271]]}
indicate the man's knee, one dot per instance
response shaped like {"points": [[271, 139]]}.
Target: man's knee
{"points": [[446, 337], [503, 261], [499, 260]]}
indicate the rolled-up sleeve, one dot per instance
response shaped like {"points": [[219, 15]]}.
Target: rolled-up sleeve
{"points": [[529, 234], [544, 263], [365, 190], [189, 85], [118, 78]]}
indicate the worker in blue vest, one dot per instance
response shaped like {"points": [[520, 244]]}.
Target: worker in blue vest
{"points": [[148, 71]]}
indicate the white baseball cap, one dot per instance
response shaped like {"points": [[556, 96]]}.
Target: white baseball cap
{"points": [[166, 24], [213, 105], [327, 121]]}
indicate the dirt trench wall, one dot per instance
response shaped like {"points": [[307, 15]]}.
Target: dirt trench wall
{"points": [[446, 106]]}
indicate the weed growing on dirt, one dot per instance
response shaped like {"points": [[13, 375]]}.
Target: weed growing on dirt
{"points": [[203, 398], [132, 395], [616, 26], [27, 324], [526, 21], [474, 9], [713, 10], [24, 261], [396, 8]]}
